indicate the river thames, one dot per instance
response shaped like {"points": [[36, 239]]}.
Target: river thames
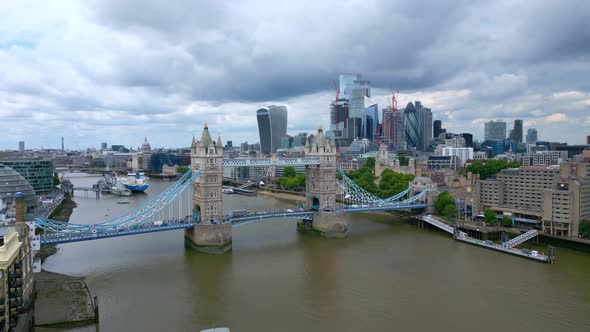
{"points": [[386, 276]]}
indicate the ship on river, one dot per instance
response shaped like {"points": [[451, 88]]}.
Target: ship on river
{"points": [[136, 182]]}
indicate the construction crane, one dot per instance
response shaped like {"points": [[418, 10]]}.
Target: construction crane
{"points": [[393, 106]]}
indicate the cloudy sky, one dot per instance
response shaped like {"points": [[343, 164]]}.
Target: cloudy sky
{"points": [[116, 71]]}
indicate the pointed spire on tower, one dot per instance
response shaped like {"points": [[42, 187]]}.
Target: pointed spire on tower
{"points": [[219, 145], [206, 137]]}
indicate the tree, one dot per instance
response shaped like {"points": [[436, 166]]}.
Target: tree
{"points": [[289, 172], [490, 216], [443, 200], [449, 211], [291, 180], [487, 168], [182, 169], [506, 222], [585, 228], [403, 160], [56, 180]]}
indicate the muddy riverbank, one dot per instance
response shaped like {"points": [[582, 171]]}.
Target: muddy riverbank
{"points": [[62, 301]]}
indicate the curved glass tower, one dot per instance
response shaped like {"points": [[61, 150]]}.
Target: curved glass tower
{"points": [[412, 125], [272, 126]]}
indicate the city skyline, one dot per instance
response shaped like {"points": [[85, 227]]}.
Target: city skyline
{"points": [[138, 76]]}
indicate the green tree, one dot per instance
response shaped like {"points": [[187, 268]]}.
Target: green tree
{"points": [[403, 160], [506, 222], [490, 216], [450, 211], [56, 180], [585, 228], [487, 168], [443, 200], [291, 179], [289, 172], [182, 169]]}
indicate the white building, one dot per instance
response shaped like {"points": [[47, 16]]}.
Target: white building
{"points": [[464, 154]]}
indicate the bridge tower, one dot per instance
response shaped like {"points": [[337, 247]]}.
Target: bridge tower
{"points": [[320, 187], [209, 235]]}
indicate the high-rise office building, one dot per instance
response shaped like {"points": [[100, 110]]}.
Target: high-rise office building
{"points": [[272, 125], [531, 136], [400, 130], [468, 139], [103, 146], [370, 118], [338, 118], [436, 128], [516, 132], [417, 126], [588, 139], [356, 93], [62, 143], [387, 128], [495, 130], [21, 146]]}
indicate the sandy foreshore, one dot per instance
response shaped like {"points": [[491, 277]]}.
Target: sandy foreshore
{"points": [[286, 196]]}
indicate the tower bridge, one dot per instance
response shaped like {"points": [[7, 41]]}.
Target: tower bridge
{"points": [[195, 201]]}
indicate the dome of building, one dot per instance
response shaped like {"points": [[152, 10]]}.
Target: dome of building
{"points": [[12, 182], [145, 146]]}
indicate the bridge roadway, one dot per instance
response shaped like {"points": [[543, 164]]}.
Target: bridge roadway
{"points": [[150, 227], [271, 162]]}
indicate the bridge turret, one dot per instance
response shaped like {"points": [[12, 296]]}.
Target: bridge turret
{"points": [[209, 233], [320, 181], [320, 185]]}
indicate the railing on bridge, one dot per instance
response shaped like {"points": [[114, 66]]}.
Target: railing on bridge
{"points": [[270, 162], [429, 219], [520, 239], [172, 209]]}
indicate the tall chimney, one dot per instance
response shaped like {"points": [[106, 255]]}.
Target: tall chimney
{"points": [[20, 206]]}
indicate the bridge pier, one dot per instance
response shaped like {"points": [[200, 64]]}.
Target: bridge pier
{"points": [[209, 238], [324, 224]]}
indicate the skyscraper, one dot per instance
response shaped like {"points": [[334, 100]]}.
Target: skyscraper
{"points": [[370, 118], [417, 126], [516, 133], [103, 146], [62, 143], [468, 139], [21, 146], [338, 118], [272, 125], [531, 136], [356, 93], [436, 128], [387, 128], [495, 130]]}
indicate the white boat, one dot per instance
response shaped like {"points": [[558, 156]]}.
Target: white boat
{"points": [[136, 182], [227, 190]]}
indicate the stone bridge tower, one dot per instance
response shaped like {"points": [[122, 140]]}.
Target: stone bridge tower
{"points": [[209, 234], [320, 180], [320, 187]]}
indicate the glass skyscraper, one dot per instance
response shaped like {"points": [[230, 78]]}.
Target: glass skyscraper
{"points": [[495, 130], [417, 126], [272, 126]]}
